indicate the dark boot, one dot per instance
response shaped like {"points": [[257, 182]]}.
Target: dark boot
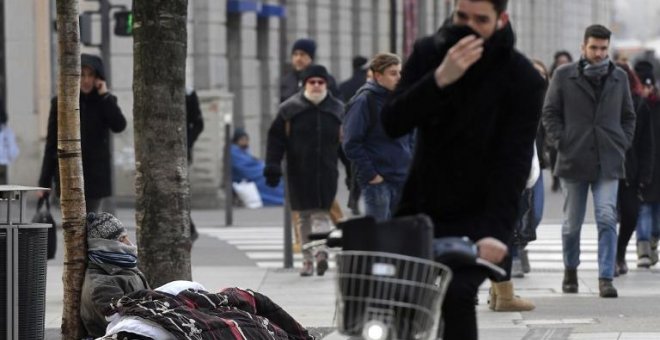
{"points": [[606, 288], [621, 267], [321, 263], [570, 283], [654, 250]]}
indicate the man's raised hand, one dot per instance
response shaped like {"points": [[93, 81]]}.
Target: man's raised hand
{"points": [[459, 58]]}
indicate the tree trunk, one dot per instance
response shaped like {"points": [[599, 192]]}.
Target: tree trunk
{"points": [[162, 191], [70, 166]]}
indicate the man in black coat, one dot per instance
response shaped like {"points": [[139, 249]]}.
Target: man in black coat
{"points": [[99, 114], [475, 102], [307, 129], [349, 87]]}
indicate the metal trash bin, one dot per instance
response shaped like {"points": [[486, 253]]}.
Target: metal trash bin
{"points": [[23, 263]]}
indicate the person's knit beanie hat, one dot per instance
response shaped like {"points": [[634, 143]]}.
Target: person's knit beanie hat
{"points": [[306, 45], [93, 62], [360, 63], [644, 70], [315, 71], [104, 225], [238, 134]]}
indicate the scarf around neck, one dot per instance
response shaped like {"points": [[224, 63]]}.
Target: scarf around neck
{"points": [[102, 251], [595, 72]]}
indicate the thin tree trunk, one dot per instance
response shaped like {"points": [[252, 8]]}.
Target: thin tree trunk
{"points": [[162, 191], [70, 166]]}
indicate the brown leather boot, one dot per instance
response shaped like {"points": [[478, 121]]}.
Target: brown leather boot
{"points": [[506, 301]]}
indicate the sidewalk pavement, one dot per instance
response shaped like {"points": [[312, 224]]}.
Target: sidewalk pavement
{"points": [[216, 264]]}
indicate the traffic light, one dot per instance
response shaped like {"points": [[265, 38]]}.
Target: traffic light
{"points": [[124, 23]]}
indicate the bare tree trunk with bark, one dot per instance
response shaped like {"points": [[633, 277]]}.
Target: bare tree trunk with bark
{"points": [[70, 166], [162, 190]]}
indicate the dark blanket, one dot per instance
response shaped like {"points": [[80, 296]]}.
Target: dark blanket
{"points": [[231, 314]]}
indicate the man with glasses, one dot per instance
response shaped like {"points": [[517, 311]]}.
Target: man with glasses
{"points": [[307, 130]]}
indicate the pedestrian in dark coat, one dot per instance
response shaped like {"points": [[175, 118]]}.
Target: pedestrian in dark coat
{"points": [[590, 120], [475, 102], [639, 167], [349, 87], [307, 130], [99, 114]]}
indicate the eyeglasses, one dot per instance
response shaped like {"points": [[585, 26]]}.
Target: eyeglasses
{"points": [[316, 82]]}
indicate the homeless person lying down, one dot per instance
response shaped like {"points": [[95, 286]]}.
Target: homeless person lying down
{"points": [[186, 310]]}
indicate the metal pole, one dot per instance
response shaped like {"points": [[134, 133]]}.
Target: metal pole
{"points": [[229, 198], [393, 29]]}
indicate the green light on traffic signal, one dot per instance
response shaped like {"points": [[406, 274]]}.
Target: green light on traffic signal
{"points": [[124, 23]]}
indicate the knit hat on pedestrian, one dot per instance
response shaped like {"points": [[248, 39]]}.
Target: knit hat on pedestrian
{"points": [[238, 134], [315, 71], [104, 225], [93, 62], [306, 45], [644, 70], [360, 63]]}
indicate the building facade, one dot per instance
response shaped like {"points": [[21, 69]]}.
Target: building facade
{"points": [[241, 47]]}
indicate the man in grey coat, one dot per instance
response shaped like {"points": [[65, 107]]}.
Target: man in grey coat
{"points": [[589, 118]]}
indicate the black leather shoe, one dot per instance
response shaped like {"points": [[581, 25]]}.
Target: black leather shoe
{"points": [[606, 288]]}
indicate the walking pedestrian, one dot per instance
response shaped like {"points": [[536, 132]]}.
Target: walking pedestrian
{"points": [[638, 167], [350, 86], [380, 163], [475, 103], [307, 130], [589, 117], [648, 224], [99, 114], [303, 53]]}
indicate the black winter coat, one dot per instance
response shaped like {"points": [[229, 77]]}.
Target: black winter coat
{"points": [[98, 116], [651, 190], [350, 87], [639, 157], [474, 137], [309, 136]]}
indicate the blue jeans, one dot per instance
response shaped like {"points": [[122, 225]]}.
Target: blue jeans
{"points": [[381, 199], [575, 203], [648, 223]]}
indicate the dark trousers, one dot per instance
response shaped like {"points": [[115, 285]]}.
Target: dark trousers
{"points": [[458, 308], [629, 204], [93, 204]]}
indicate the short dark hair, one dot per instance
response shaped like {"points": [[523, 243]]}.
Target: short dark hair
{"points": [[500, 5], [597, 32]]}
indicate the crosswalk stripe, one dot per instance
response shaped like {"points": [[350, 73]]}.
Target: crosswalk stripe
{"points": [[265, 245]]}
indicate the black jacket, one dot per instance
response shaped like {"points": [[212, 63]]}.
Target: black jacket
{"points": [[194, 121], [475, 137], [310, 146], [650, 166], [349, 87], [98, 116]]}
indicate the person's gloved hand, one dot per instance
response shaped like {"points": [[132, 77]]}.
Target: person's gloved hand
{"points": [[272, 174]]}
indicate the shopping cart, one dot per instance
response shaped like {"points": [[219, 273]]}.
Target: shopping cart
{"points": [[392, 277]]}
